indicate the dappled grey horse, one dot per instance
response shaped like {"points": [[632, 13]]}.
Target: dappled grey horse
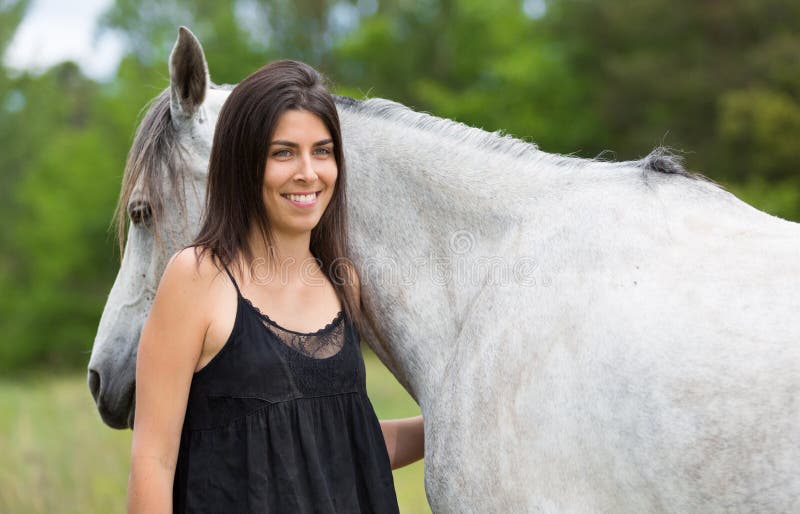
{"points": [[581, 336]]}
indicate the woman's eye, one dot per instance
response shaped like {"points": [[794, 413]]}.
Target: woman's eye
{"points": [[322, 151], [281, 153]]}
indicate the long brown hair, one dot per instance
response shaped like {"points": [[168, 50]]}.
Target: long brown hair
{"points": [[234, 198]]}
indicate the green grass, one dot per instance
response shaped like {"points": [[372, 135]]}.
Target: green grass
{"points": [[56, 455]]}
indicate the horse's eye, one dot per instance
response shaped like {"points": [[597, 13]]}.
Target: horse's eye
{"points": [[140, 213]]}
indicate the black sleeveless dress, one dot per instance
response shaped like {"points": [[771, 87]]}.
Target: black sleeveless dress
{"points": [[279, 422]]}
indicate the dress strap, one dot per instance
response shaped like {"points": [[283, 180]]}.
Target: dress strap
{"points": [[238, 292]]}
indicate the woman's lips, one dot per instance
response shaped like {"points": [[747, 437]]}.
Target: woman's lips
{"points": [[302, 200]]}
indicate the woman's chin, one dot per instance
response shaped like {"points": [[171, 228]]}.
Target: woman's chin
{"points": [[299, 229]]}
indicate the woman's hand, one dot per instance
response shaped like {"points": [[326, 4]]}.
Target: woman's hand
{"points": [[405, 440]]}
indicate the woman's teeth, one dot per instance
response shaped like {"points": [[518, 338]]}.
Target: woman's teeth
{"points": [[302, 198]]}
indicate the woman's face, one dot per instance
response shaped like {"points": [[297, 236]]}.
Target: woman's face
{"points": [[300, 173]]}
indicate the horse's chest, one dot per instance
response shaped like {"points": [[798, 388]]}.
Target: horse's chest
{"points": [[470, 432]]}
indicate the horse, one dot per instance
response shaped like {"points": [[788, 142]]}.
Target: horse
{"points": [[581, 336]]}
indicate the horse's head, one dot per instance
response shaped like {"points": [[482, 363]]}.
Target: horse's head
{"points": [[163, 191]]}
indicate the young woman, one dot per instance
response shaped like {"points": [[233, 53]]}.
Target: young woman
{"points": [[250, 391]]}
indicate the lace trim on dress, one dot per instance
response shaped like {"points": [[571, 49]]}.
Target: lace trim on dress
{"points": [[320, 344]]}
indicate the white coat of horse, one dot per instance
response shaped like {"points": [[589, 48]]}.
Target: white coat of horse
{"points": [[581, 336]]}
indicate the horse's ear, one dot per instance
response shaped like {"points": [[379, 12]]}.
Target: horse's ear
{"points": [[188, 73]]}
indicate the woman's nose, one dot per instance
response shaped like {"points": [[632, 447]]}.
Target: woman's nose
{"points": [[306, 171]]}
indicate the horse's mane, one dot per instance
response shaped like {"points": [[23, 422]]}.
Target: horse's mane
{"points": [[659, 160], [155, 151]]}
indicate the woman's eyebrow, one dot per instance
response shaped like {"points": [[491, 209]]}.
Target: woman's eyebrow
{"points": [[295, 145], [284, 143]]}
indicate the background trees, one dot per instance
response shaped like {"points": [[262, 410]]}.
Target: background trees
{"points": [[719, 80]]}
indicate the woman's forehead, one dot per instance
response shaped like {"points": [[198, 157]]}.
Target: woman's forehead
{"points": [[295, 125]]}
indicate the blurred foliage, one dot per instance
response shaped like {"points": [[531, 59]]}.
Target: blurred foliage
{"points": [[484, 63], [720, 80], [692, 74]]}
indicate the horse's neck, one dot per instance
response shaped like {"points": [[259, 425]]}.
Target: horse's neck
{"points": [[430, 222]]}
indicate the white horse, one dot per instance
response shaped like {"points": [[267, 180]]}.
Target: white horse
{"points": [[581, 336]]}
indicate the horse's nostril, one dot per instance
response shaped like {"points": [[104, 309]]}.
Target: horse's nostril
{"points": [[94, 384]]}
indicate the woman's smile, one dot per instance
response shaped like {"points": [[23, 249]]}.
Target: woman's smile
{"points": [[302, 200]]}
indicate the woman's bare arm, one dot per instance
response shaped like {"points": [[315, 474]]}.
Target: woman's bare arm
{"points": [[169, 349], [405, 440]]}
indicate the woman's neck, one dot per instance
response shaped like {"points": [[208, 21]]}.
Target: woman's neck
{"points": [[289, 262]]}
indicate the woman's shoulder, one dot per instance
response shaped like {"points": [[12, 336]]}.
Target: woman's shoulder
{"points": [[181, 310], [193, 266], [204, 260]]}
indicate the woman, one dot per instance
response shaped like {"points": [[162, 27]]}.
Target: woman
{"points": [[247, 405]]}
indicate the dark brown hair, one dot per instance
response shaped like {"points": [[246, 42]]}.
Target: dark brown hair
{"points": [[234, 200]]}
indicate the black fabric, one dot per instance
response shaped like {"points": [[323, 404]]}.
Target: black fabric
{"points": [[280, 422]]}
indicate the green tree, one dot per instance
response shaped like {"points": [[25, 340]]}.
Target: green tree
{"points": [[53, 291], [487, 64], [717, 80], [11, 101], [699, 75], [237, 36]]}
